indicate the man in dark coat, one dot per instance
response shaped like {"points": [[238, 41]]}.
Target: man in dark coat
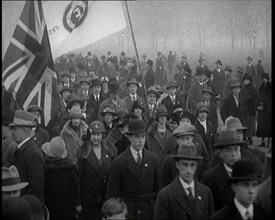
{"points": [[134, 175], [185, 197], [27, 156], [151, 104], [234, 103], [251, 70], [171, 61], [218, 78], [159, 70], [215, 178], [260, 71], [244, 182], [150, 77]]}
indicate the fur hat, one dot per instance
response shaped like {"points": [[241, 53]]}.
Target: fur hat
{"points": [[55, 148], [76, 112], [228, 138], [234, 123]]}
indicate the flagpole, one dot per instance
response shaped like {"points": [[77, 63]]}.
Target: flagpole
{"points": [[133, 36]]}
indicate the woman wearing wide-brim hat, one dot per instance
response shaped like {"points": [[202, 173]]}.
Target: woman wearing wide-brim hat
{"points": [[108, 114], [60, 177], [94, 163]]}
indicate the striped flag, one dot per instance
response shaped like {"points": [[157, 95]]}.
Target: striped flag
{"points": [[27, 69]]}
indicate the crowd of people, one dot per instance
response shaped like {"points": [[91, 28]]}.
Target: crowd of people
{"points": [[128, 143]]}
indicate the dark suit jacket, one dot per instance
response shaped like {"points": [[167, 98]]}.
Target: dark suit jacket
{"points": [[92, 103], [215, 178], [129, 102], [212, 115], [229, 108], [172, 202], [150, 115], [136, 185], [230, 212], [28, 161], [169, 104], [218, 80]]}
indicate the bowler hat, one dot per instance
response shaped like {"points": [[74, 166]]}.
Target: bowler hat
{"points": [[235, 84], [113, 86], [108, 110], [161, 111], [150, 62], [152, 90], [187, 152], [11, 179], [96, 127], [265, 76], [239, 70], [132, 80], [138, 104], [76, 112], [24, 119], [74, 98], [249, 58], [234, 123], [7, 116], [228, 138], [65, 88], [96, 82], [136, 126], [207, 89], [172, 84], [219, 62], [185, 129], [201, 107], [84, 79], [33, 108], [55, 148], [189, 115], [228, 68], [244, 170]]}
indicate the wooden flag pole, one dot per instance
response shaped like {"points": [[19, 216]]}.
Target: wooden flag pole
{"points": [[132, 33]]}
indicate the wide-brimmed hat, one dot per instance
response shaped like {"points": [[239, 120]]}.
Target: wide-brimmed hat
{"points": [[187, 114], [239, 70], [65, 88], [244, 170], [133, 80], [161, 111], [113, 86], [24, 119], [84, 79], [33, 108], [234, 123], [187, 152], [96, 82], [219, 62], [96, 127], [7, 116], [136, 127], [185, 129], [108, 109], [235, 84], [11, 180], [228, 68], [207, 89], [201, 107], [74, 98], [55, 148], [265, 76], [228, 138], [138, 104], [247, 76], [152, 90], [76, 112], [172, 84], [249, 58]]}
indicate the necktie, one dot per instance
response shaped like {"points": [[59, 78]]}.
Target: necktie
{"points": [[139, 160], [97, 99], [190, 195], [248, 215], [133, 99]]}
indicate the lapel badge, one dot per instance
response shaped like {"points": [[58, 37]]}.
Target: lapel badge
{"points": [[199, 198], [146, 165]]}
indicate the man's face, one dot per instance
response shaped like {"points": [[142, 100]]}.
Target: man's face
{"points": [[18, 134], [138, 111], [137, 141], [96, 138], [108, 117], [66, 94], [172, 91], [85, 86], [245, 192], [236, 91], [162, 120], [240, 135], [206, 96], [66, 79], [151, 98], [73, 74], [104, 86], [36, 114], [246, 82], [96, 90], [132, 88], [218, 66], [76, 122], [249, 61], [202, 116], [59, 86], [187, 169], [185, 140], [201, 77], [230, 155]]}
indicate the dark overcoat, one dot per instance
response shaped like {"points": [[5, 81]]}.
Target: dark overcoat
{"points": [[215, 178], [230, 212], [212, 115], [172, 202], [218, 81], [41, 136], [61, 188], [249, 93], [129, 101], [150, 78], [195, 95], [93, 104], [28, 160], [169, 104], [136, 185]]}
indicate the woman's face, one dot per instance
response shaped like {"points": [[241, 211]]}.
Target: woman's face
{"points": [[96, 138]]}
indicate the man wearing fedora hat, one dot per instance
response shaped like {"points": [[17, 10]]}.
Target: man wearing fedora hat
{"points": [[218, 78], [159, 70], [244, 183], [151, 103], [234, 103], [132, 96], [27, 156], [85, 86], [215, 178], [64, 94], [134, 175], [251, 70], [114, 101], [229, 76], [66, 79], [260, 71], [185, 197], [150, 75], [105, 87]]}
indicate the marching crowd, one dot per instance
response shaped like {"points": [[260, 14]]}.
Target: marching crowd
{"points": [[126, 145]]}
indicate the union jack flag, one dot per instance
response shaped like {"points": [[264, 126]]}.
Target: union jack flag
{"points": [[28, 65]]}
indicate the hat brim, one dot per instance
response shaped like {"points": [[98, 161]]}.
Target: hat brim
{"points": [[172, 86], [245, 178], [103, 113], [182, 134], [134, 83], [220, 146], [162, 114], [135, 132], [153, 92], [15, 187], [207, 91], [22, 125], [176, 158], [46, 149]]}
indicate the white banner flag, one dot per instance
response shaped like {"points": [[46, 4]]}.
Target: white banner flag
{"points": [[76, 24]]}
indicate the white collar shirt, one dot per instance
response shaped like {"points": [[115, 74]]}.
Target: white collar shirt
{"points": [[186, 186], [135, 153], [243, 210], [203, 123], [96, 97], [173, 98], [236, 100], [151, 107], [23, 142], [219, 70], [133, 97], [228, 169]]}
